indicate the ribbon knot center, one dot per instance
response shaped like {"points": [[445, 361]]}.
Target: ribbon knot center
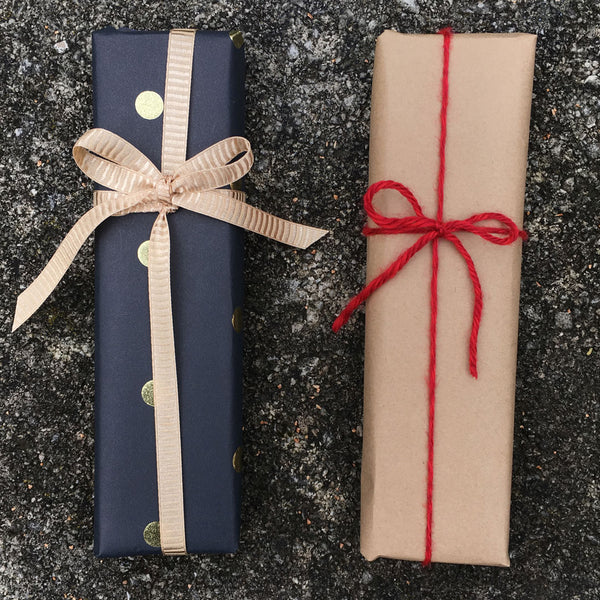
{"points": [[163, 191], [441, 228]]}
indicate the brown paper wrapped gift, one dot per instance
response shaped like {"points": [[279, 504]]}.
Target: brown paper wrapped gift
{"points": [[490, 81]]}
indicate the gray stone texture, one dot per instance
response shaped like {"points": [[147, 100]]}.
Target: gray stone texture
{"points": [[308, 93]]}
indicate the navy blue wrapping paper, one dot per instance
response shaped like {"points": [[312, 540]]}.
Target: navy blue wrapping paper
{"points": [[206, 287]]}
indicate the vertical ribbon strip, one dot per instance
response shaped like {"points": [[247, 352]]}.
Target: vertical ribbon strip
{"points": [[134, 184], [166, 398], [503, 233], [169, 470]]}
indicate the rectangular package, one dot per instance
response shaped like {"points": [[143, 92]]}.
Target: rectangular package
{"points": [[490, 84], [207, 288]]}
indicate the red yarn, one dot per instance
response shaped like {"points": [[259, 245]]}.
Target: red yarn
{"points": [[505, 232]]}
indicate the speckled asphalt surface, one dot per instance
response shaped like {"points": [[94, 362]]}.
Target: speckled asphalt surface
{"points": [[308, 87]]}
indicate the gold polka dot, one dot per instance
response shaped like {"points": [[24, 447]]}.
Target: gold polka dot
{"points": [[237, 38], [237, 460], [148, 393], [152, 534], [149, 105], [143, 252], [237, 320]]}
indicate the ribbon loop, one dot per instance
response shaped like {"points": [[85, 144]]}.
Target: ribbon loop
{"points": [[382, 220], [220, 164], [504, 233], [114, 163]]}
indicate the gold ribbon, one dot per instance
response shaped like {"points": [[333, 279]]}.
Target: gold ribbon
{"points": [[136, 185]]}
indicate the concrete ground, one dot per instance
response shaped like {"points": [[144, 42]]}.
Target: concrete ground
{"points": [[308, 94]]}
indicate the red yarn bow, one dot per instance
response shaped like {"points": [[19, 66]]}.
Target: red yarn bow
{"points": [[503, 233]]}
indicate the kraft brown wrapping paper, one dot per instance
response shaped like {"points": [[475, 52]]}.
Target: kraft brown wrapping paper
{"points": [[486, 155]]}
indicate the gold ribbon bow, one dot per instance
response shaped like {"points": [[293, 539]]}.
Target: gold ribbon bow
{"points": [[136, 185]]}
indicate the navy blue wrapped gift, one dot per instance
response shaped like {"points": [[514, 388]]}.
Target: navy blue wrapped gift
{"points": [[168, 155], [207, 290]]}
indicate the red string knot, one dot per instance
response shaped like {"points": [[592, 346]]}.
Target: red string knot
{"points": [[493, 227], [441, 228]]}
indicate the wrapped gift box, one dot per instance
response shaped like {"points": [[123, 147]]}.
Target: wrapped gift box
{"points": [[168, 373], [490, 82], [207, 290]]}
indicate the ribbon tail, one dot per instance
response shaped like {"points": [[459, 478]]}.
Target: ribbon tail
{"points": [[377, 282], [228, 206], [166, 398], [478, 302], [35, 295]]}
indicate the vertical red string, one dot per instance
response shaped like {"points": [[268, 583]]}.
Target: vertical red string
{"points": [[447, 33], [431, 393]]}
